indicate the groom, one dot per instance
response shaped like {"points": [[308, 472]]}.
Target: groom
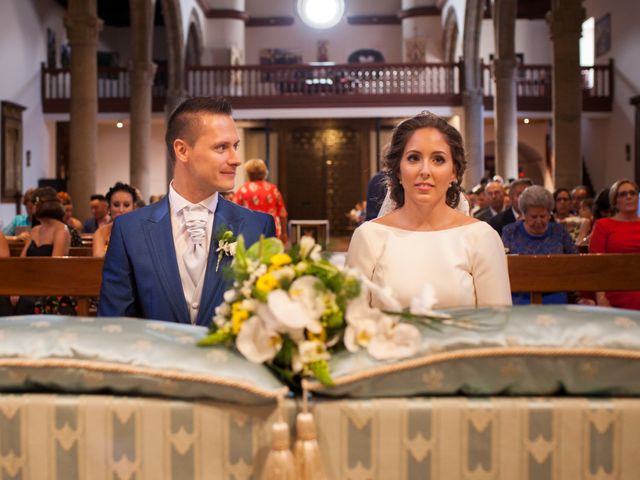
{"points": [[162, 262]]}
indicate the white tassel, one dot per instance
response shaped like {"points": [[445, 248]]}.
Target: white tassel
{"points": [[279, 464], [307, 451]]}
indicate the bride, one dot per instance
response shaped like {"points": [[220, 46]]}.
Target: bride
{"points": [[426, 238]]}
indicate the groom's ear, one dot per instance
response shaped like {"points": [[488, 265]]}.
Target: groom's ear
{"points": [[181, 150]]}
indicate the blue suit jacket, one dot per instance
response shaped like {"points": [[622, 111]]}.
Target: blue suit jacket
{"points": [[140, 277]]}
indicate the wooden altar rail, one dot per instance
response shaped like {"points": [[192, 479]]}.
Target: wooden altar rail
{"points": [[536, 274], [79, 277], [331, 85]]}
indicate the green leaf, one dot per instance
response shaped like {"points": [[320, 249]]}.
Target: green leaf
{"points": [[215, 338], [285, 355], [320, 370], [264, 249], [240, 264]]}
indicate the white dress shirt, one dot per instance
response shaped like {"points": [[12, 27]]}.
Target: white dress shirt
{"points": [[192, 293]]}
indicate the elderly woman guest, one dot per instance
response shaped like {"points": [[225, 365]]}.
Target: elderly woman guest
{"points": [[425, 239], [121, 199], [535, 234], [619, 233], [263, 196]]}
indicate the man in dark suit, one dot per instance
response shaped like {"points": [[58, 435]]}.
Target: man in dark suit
{"points": [[512, 213], [162, 262], [376, 191], [494, 191]]}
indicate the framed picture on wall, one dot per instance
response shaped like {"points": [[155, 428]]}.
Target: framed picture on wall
{"points": [[11, 146], [603, 35]]}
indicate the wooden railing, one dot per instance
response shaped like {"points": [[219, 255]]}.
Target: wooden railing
{"points": [[342, 85], [534, 87]]}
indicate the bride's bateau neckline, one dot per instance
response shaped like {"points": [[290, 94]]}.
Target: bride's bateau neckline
{"points": [[399, 229]]}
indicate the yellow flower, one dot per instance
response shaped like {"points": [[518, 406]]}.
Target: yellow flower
{"points": [[266, 283], [237, 319], [317, 337], [280, 259]]}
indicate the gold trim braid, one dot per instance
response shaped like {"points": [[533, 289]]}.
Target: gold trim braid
{"points": [[105, 367], [435, 358]]}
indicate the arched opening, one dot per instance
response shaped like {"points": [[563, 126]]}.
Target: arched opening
{"points": [[450, 36], [193, 55]]}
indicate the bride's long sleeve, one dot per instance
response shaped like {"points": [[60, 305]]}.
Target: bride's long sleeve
{"points": [[490, 271], [360, 255]]}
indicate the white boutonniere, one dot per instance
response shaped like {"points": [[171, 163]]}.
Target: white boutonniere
{"points": [[226, 245]]}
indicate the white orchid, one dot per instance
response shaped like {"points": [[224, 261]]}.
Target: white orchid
{"points": [[311, 351], [304, 290], [309, 249], [290, 313], [257, 342], [394, 340], [383, 294], [423, 303]]}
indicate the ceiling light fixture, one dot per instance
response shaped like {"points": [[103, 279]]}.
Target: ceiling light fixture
{"points": [[321, 13]]}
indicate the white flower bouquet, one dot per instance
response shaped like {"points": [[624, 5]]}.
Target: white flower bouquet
{"points": [[291, 310]]}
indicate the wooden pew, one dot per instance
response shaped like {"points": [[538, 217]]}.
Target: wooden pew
{"points": [[39, 276], [538, 274], [17, 244], [535, 274]]}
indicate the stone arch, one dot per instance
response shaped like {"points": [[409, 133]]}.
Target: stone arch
{"points": [[193, 52], [450, 36]]}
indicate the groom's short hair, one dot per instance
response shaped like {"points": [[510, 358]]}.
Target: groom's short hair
{"points": [[184, 122]]}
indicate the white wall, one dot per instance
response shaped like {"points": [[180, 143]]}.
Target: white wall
{"points": [[532, 38], [113, 155], [604, 140], [23, 37]]}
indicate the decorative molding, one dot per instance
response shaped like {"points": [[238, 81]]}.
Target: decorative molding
{"points": [[429, 11], [270, 21], [223, 13], [373, 20]]}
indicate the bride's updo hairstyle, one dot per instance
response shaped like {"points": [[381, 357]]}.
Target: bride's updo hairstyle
{"points": [[399, 139]]}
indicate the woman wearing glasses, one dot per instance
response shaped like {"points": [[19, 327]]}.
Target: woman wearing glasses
{"points": [[619, 233]]}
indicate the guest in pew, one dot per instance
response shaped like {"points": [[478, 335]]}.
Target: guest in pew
{"points": [[512, 213], [563, 214], [21, 224], [619, 233], [121, 199], [74, 225], [425, 237], [51, 238], [100, 214], [535, 234]]}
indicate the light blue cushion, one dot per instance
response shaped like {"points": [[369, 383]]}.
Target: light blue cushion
{"points": [[128, 356], [539, 350]]}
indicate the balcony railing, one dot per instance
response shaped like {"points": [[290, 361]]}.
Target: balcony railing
{"points": [[323, 85]]}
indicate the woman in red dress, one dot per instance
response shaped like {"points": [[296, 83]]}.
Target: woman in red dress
{"points": [[258, 194], [619, 233]]}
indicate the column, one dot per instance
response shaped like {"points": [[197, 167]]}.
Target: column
{"points": [[473, 106], [421, 31], [505, 99], [225, 33], [565, 21], [473, 94], [141, 73], [83, 25]]}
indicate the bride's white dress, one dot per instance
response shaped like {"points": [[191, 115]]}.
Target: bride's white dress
{"points": [[465, 265]]}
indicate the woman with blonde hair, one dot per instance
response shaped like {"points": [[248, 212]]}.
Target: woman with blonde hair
{"points": [[619, 233], [263, 196]]}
